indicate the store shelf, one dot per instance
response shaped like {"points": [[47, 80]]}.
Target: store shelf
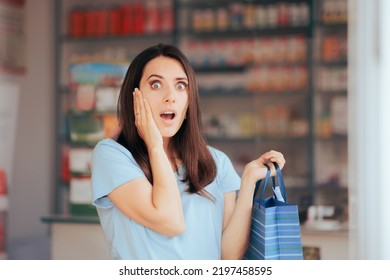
{"points": [[333, 228], [230, 139], [339, 137], [224, 92], [242, 33], [79, 113], [334, 26], [219, 68], [111, 39], [337, 63], [332, 92], [70, 219]]}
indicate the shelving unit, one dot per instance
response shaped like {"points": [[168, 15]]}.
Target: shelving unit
{"points": [[330, 106], [99, 51], [243, 64], [260, 80]]}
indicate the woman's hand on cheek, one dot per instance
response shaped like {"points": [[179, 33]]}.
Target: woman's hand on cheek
{"points": [[146, 126]]}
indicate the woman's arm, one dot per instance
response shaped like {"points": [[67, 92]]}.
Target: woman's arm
{"points": [[238, 211], [157, 207]]}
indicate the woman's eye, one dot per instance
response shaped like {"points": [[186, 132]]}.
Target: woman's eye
{"points": [[181, 86], [156, 85]]}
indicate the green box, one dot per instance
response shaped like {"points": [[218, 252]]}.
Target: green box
{"points": [[82, 210]]}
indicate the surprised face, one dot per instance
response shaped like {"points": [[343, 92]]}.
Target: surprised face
{"points": [[165, 86]]}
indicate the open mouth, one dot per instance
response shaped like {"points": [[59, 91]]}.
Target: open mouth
{"points": [[168, 115]]}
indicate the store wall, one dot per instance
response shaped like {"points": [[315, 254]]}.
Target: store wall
{"points": [[369, 130], [33, 175]]}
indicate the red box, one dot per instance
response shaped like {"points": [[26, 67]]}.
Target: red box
{"points": [[3, 182]]}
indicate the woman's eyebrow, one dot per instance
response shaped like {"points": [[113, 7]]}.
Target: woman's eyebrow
{"points": [[155, 75], [161, 77]]}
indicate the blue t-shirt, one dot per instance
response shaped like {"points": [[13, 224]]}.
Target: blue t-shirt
{"points": [[113, 165]]}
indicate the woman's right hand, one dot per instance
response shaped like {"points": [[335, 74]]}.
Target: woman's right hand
{"points": [[146, 126], [256, 169]]}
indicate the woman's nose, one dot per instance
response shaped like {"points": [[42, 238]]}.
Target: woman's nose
{"points": [[169, 97]]}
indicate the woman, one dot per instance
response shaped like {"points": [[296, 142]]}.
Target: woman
{"points": [[160, 191]]}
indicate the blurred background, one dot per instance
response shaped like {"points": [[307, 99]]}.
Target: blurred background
{"points": [[305, 77]]}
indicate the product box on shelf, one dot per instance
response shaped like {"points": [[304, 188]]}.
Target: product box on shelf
{"points": [[3, 183], [98, 99], [85, 97], [86, 130], [339, 109], [80, 197], [110, 126], [106, 98], [95, 89], [120, 19], [97, 73], [80, 160]]}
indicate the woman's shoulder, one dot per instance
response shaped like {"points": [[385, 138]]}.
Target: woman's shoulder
{"points": [[226, 173], [107, 142], [217, 154], [109, 145]]}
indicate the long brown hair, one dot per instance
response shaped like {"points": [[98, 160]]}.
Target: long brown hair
{"points": [[188, 143]]}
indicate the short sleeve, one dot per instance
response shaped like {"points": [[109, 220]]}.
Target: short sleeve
{"points": [[112, 165], [227, 176]]}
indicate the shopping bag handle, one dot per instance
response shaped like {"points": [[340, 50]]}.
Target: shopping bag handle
{"points": [[280, 181], [258, 183]]}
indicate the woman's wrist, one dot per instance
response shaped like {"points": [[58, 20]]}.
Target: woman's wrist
{"points": [[157, 151], [253, 174], [248, 179]]}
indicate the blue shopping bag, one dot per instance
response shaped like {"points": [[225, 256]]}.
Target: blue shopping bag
{"points": [[275, 228]]}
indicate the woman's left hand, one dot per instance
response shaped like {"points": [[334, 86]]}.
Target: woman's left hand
{"points": [[256, 169], [144, 122]]}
